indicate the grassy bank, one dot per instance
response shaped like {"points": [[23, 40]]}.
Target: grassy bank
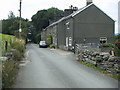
{"points": [[11, 67], [117, 52], [116, 49], [9, 38], [9, 72], [115, 76]]}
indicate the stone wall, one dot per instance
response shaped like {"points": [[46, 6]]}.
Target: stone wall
{"points": [[95, 56]]}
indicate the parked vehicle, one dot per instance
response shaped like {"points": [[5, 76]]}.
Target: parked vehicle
{"points": [[43, 44]]}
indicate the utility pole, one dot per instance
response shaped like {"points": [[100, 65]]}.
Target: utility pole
{"points": [[119, 17], [20, 30]]}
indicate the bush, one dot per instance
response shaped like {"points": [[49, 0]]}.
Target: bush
{"points": [[117, 52], [108, 45], [10, 67], [17, 55], [9, 71], [10, 39], [117, 44], [52, 46], [50, 39], [19, 47]]}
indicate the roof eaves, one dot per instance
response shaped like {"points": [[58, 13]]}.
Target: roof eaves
{"points": [[81, 9], [56, 22], [71, 15], [68, 16]]}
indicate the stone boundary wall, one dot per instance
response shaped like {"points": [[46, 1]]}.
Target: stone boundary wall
{"points": [[94, 55]]}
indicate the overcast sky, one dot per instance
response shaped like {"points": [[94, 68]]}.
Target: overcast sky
{"points": [[30, 7]]}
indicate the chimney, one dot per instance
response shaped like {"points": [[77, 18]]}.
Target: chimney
{"points": [[70, 10], [88, 2]]}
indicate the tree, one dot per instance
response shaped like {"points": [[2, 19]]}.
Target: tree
{"points": [[53, 13], [41, 20], [11, 15], [11, 25]]}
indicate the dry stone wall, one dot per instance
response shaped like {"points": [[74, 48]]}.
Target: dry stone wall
{"points": [[95, 56]]}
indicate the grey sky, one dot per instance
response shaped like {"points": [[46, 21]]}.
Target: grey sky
{"points": [[30, 7]]}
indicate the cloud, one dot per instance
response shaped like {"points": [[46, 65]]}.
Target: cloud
{"points": [[8, 5], [30, 7]]}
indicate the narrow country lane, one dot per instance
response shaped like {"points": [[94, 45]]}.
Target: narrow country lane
{"points": [[53, 68]]}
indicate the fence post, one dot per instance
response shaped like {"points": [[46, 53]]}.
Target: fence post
{"points": [[6, 45]]}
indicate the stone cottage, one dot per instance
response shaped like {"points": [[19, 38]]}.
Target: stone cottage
{"points": [[86, 25]]}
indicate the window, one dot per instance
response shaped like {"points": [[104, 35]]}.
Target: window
{"points": [[68, 25], [70, 41], [103, 39]]}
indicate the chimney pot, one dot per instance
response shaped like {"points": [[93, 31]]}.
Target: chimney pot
{"points": [[89, 2]]}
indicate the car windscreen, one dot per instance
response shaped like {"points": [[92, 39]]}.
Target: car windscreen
{"points": [[42, 42]]}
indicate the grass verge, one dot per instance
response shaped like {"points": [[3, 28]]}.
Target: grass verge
{"points": [[9, 38], [115, 76], [9, 72], [10, 67]]}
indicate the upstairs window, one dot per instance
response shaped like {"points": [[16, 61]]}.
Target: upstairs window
{"points": [[68, 25]]}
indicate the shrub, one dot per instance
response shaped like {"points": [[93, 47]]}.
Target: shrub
{"points": [[108, 45], [50, 39], [17, 55], [9, 38], [52, 46], [10, 67], [117, 44], [9, 71], [117, 52], [19, 47]]}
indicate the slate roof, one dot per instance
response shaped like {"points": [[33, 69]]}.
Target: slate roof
{"points": [[75, 13], [78, 11]]}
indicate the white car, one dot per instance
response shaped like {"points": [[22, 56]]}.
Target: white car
{"points": [[43, 44]]}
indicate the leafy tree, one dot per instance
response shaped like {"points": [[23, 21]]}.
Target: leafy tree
{"points": [[11, 15], [11, 25], [53, 13], [41, 20]]}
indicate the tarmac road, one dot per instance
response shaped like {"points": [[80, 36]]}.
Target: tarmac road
{"points": [[54, 68]]}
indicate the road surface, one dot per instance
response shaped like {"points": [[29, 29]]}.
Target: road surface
{"points": [[54, 68]]}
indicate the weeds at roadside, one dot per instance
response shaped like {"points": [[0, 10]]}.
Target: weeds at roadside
{"points": [[10, 67], [115, 76], [9, 72]]}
